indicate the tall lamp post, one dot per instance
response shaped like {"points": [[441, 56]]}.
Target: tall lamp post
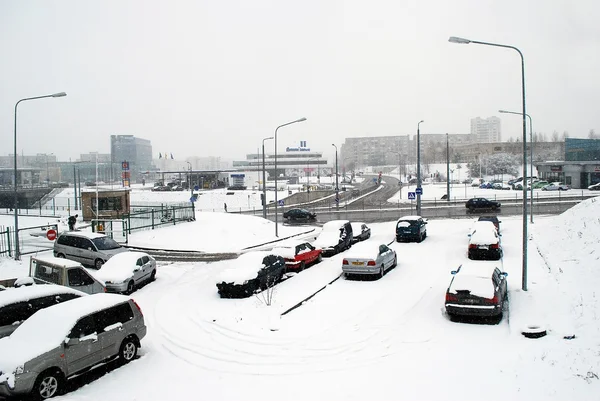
{"points": [[264, 202], [337, 188], [190, 179], [419, 168], [530, 160], [17, 252], [447, 169], [454, 39], [276, 201]]}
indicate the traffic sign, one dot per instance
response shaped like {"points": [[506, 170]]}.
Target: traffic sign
{"points": [[51, 234], [419, 191], [280, 202], [411, 195], [337, 200]]}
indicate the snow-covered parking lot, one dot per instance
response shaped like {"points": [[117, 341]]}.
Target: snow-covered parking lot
{"points": [[371, 339]]}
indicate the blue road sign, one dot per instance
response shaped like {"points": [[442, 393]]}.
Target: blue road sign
{"points": [[337, 200], [280, 202], [412, 196], [419, 191]]}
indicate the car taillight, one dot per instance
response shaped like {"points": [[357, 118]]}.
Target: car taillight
{"points": [[451, 297], [472, 246], [494, 246], [344, 262], [137, 306], [371, 263]]}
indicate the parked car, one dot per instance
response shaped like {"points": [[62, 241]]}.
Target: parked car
{"points": [[253, 272], [477, 289], [486, 185], [68, 273], [493, 219], [18, 304], [479, 204], [64, 340], [360, 232], [556, 186], [538, 184], [476, 182], [299, 215], [335, 237], [411, 228], [501, 185], [87, 248], [484, 242], [594, 187], [298, 255], [369, 258], [126, 271]]}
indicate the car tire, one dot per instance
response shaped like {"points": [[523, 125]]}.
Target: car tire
{"points": [[381, 272], [395, 261], [128, 350], [153, 275], [420, 239], [302, 266], [48, 384], [60, 255], [471, 209], [320, 258], [130, 287], [98, 263]]}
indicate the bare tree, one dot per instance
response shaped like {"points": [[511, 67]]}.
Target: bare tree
{"points": [[555, 136], [592, 134], [565, 135]]}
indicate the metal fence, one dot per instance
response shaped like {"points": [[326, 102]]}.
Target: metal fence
{"points": [[31, 239]]}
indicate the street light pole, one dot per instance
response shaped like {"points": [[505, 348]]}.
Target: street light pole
{"points": [[337, 188], [276, 201], [17, 252], [447, 168], [190, 179], [454, 39], [419, 168], [530, 160], [264, 202]]}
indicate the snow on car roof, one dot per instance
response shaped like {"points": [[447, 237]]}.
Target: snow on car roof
{"points": [[478, 286], [245, 267], [484, 236], [364, 250], [483, 268], [409, 218], [288, 252], [119, 267], [47, 328], [23, 294], [58, 261], [86, 234], [334, 225]]}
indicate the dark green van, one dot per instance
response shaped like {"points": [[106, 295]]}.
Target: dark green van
{"points": [[411, 228]]}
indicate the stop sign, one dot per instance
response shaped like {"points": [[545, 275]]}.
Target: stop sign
{"points": [[51, 234]]}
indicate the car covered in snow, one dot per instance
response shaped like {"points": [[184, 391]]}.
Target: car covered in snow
{"points": [[594, 187], [369, 258], [298, 255], [477, 289], [336, 236], [18, 304], [484, 242], [252, 272], [126, 271], [411, 228], [493, 219], [64, 340], [360, 232]]}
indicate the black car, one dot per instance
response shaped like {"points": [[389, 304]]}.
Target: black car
{"points": [[411, 228], [493, 219], [478, 204], [251, 273], [477, 289], [360, 232], [299, 215]]}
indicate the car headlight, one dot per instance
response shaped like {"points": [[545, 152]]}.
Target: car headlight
{"points": [[19, 370]]}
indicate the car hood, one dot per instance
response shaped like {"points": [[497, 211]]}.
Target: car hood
{"points": [[327, 239]]}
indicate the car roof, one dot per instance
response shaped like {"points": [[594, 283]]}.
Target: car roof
{"points": [[25, 293], [481, 269], [411, 217], [84, 234], [58, 261], [334, 225], [126, 257]]}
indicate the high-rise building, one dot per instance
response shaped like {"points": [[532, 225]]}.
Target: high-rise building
{"points": [[486, 130], [136, 151]]}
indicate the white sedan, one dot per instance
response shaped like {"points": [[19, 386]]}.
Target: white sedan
{"points": [[369, 258], [556, 186], [125, 271]]}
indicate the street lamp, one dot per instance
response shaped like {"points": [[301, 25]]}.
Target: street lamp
{"points": [[419, 168], [454, 39], [264, 203], [447, 169], [282, 125], [59, 94], [530, 159], [190, 179], [337, 188]]}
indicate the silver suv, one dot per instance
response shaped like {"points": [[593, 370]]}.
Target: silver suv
{"points": [[87, 248], [67, 339]]}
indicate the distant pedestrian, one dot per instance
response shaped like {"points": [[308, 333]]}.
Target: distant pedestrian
{"points": [[71, 221], [225, 206]]}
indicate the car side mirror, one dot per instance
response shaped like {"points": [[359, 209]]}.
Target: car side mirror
{"points": [[453, 272], [504, 274], [89, 248], [137, 269]]}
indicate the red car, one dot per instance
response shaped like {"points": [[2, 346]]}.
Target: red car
{"points": [[298, 255]]}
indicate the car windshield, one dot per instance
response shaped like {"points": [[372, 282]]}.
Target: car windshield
{"points": [[105, 243]]}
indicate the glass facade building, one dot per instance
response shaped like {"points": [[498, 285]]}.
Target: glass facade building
{"points": [[582, 149]]}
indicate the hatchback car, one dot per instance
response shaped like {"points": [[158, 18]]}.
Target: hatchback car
{"points": [[299, 215], [594, 187], [18, 304], [335, 237], [411, 228], [477, 289], [126, 271], [252, 272], [484, 242], [65, 340], [360, 232], [478, 204], [369, 258], [87, 248], [493, 219], [556, 186], [298, 255]]}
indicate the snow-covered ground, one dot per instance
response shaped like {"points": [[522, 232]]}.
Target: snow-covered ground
{"points": [[372, 339]]}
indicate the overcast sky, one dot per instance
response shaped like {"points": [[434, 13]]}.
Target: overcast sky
{"points": [[212, 78]]}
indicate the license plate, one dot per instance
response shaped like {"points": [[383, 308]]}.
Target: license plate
{"points": [[483, 247], [469, 301], [358, 263]]}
